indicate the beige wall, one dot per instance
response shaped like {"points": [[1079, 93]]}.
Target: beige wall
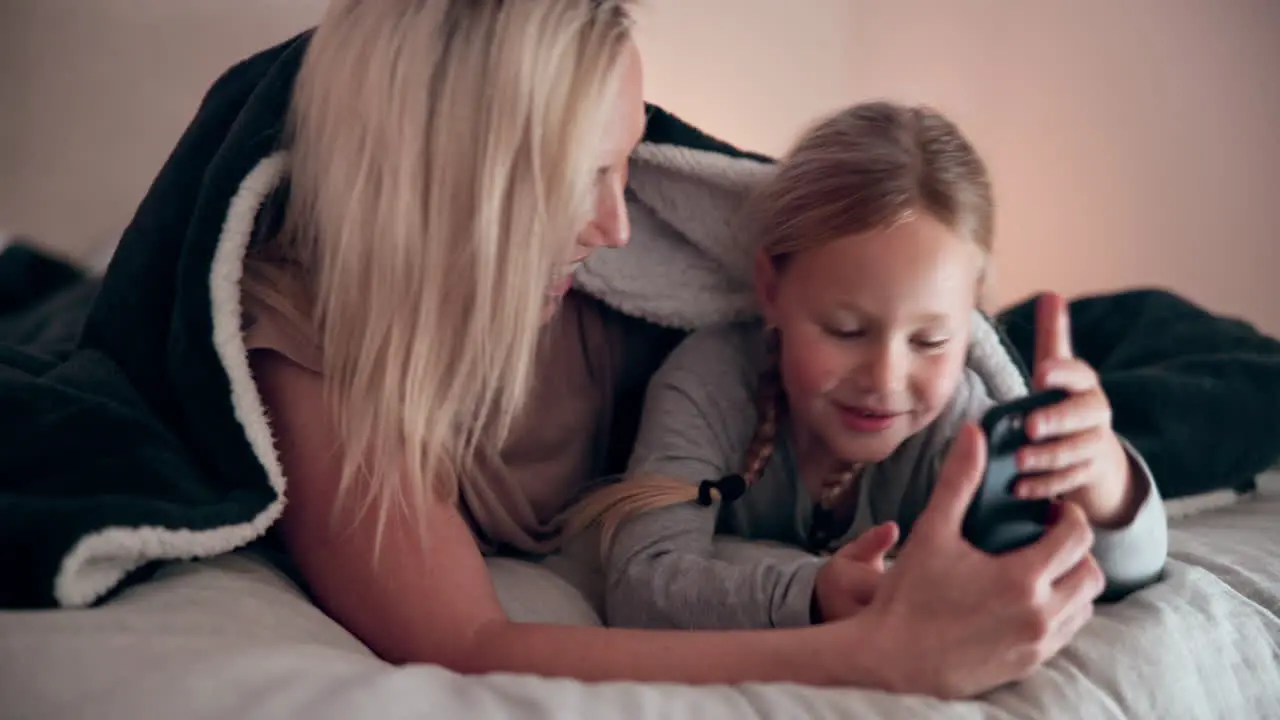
{"points": [[94, 93], [1132, 143], [752, 71]]}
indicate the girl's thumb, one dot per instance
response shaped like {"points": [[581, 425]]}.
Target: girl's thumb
{"points": [[870, 546]]}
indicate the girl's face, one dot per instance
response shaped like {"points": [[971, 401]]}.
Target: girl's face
{"points": [[874, 331]]}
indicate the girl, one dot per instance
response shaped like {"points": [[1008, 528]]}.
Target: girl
{"points": [[834, 415]]}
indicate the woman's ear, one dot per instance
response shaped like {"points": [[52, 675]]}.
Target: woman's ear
{"points": [[766, 273]]}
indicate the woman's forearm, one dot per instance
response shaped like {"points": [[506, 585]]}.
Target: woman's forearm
{"points": [[693, 657]]}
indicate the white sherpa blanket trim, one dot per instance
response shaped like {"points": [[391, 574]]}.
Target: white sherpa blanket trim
{"points": [[100, 560]]}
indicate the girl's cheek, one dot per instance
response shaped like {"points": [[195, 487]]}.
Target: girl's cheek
{"points": [[939, 379], [812, 370]]}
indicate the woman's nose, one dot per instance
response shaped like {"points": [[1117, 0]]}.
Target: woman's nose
{"points": [[611, 227]]}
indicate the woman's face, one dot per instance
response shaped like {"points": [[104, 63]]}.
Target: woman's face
{"points": [[609, 226]]}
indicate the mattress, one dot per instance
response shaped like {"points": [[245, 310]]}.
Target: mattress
{"points": [[233, 638]]}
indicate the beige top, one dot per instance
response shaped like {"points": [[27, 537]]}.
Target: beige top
{"points": [[562, 441]]}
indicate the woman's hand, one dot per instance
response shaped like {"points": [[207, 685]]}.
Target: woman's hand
{"points": [[1077, 456], [952, 621], [849, 578]]}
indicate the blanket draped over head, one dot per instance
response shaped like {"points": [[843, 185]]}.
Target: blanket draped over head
{"points": [[131, 431]]}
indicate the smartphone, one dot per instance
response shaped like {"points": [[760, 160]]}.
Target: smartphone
{"points": [[997, 521]]}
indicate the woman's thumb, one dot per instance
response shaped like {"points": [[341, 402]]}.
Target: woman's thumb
{"points": [[958, 481], [870, 546]]}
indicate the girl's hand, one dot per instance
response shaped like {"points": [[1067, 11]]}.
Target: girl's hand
{"points": [[849, 578], [952, 621], [1077, 455]]}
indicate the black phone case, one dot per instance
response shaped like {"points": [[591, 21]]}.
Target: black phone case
{"points": [[997, 521]]}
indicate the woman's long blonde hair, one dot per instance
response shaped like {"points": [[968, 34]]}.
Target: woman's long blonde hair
{"points": [[858, 170], [441, 160]]}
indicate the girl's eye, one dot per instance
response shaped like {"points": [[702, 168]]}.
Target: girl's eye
{"points": [[844, 333], [932, 343]]}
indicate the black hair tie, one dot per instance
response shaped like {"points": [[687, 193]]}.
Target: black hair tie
{"points": [[728, 488]]}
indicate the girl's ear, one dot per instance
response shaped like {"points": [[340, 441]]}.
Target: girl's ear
{"points": [[985, 292], [766, 273]]}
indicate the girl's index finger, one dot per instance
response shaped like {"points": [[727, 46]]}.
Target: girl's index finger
{"points": [[1053, 329]]}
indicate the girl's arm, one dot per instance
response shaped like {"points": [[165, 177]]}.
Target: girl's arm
{"points": [[1131, 555], [432, 601], [1077, 452], [699, 418], [662, 574]]}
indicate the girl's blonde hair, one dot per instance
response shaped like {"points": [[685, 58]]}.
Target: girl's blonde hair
{"points": [[441, 163], [861, 169]]}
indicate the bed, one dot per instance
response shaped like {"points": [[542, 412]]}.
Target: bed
{"points": [[233, 638]]}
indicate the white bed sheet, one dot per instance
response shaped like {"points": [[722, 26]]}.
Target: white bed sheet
{"points": [[233, 639]]}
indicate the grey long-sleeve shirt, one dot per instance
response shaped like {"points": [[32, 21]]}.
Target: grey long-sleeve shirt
{"points": [[698, 420]]}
